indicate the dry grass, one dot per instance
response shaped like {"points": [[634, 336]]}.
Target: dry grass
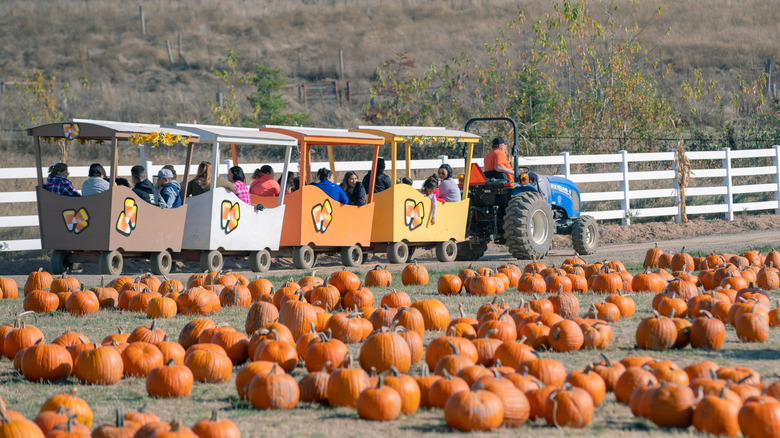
{"points": [[130, 77], [611, 418]]}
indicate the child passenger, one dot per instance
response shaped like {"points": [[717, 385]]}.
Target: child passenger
{"points": [[429, 190]]}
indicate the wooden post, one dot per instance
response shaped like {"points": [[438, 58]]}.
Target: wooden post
{"points": [[676, 185], [170, 56], [776, 163], [341, 64], [768, 70], [234, 154], [729, 197], [143, 22], [179, 47], [625, 204]]}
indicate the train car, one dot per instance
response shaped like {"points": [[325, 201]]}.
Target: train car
{"points": [[314, 223], [402, 216], [116, 224], [219, 224]]}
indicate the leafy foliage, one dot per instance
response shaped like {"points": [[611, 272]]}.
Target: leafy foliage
{"points": [[269, 106], [43, 101]]}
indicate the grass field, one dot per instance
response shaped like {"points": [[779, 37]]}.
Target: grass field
{"points": [[611, 418]]}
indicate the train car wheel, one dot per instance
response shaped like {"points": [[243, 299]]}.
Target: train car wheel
{"points": [[260, 261], [447, 251], [398, 252], [352, 256], [59, 262], [111, 262], [161, 263], [304, 257], [211, 261]]}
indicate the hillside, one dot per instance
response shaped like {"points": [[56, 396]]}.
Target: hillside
{"points": [[115, 72]]}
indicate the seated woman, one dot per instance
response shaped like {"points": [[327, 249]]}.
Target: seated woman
{"points": [[202, 181], [264, 184], [330, 188], [58, 181], [96, 183], [236, 176], [429, 190], [355, 191], [448, 188]]}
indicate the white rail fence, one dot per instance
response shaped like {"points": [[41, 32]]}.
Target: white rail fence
{"points": [[731, 167]]}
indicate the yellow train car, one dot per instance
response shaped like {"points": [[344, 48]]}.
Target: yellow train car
{"points": [[402, 216]]}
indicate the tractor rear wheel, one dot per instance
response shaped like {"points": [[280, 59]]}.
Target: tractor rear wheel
{"points": [[585, 235], [529, 226]]}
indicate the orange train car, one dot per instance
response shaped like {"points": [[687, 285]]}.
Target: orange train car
{"points": [[314, 223]]}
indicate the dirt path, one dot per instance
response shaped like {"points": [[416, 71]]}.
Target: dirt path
{"points": [[627, 244]]}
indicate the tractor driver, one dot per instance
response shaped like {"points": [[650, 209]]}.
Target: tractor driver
{"points": [[496, 163]]}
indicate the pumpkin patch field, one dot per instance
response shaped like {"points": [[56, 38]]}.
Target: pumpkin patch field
{"points": [[681, 343]]}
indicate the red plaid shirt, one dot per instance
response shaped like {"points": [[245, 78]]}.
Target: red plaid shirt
{"points": [[242, 191], [60, 185]]}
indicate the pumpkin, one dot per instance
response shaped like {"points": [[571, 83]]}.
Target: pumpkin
{"points": [[449, 284], [474, 410], [609, 370], [672, 405], [324, 353], [273, 390], [260, 288], [591, 382], [161, 307], [434, 312], [652, 257], [414, 274], [384, 350], [344, 281], [378, 276], [214, 427], [411, 319], [21, 336], [99, 365], [46, 420], [37, 280], [40, 301], [752, 326], [717, 415], [261, 314], [569, 406], [516, 405], [77, 406], [235, 295], [345, 385], [192, 330], [707, 332], [565, 304], [209, 365], [531, 283], [139, 358], [565, 336], [656, 333], [380, 403], [314, 387], [407, 388], [170, 380], [8, 288], [46, 362], [151, 334], [631, 379], [280, 352]]}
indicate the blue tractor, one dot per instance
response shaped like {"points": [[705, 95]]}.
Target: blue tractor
{"points": [[525, 214]]}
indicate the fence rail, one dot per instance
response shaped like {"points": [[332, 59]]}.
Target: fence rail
{"points": [[723, 165]]}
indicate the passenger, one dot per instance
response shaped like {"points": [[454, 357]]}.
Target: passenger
{"points": [[330, 188], [496, 163], [291, 185], [142, 186], [236, 176], [58, 181], [264, 184], [173, 171], [383, 181], [202, 181], [354, 190], [96, 183], [122, 182], [448, 188], [168, 190], [429, 190], [406, 180]]}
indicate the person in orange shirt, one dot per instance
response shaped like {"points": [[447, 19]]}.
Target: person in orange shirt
{"points": [[264, 184], [496, 163]]}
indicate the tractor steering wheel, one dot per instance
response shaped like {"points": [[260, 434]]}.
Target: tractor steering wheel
{"points": [[523, 169]]}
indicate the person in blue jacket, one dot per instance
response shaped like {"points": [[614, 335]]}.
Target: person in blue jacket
{"points": [[330, 188]]}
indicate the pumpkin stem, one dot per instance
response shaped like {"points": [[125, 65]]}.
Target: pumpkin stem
{"points": [[214, 416], [120, 419]]}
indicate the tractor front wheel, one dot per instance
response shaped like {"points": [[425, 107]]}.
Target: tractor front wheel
{"points": [[585, 235]]}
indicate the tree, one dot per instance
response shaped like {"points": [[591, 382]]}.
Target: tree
{"points": [[229, 112], [269, 106], [43, 101]]}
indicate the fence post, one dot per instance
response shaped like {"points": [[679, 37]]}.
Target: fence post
{"points": [[776, 163], [443, 159], [729, 198], [142, 156], [228, 163], [676, 186], [625, 204], [565, 167]]}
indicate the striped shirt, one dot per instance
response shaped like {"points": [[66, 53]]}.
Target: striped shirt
{"points": [[242, 191]]}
